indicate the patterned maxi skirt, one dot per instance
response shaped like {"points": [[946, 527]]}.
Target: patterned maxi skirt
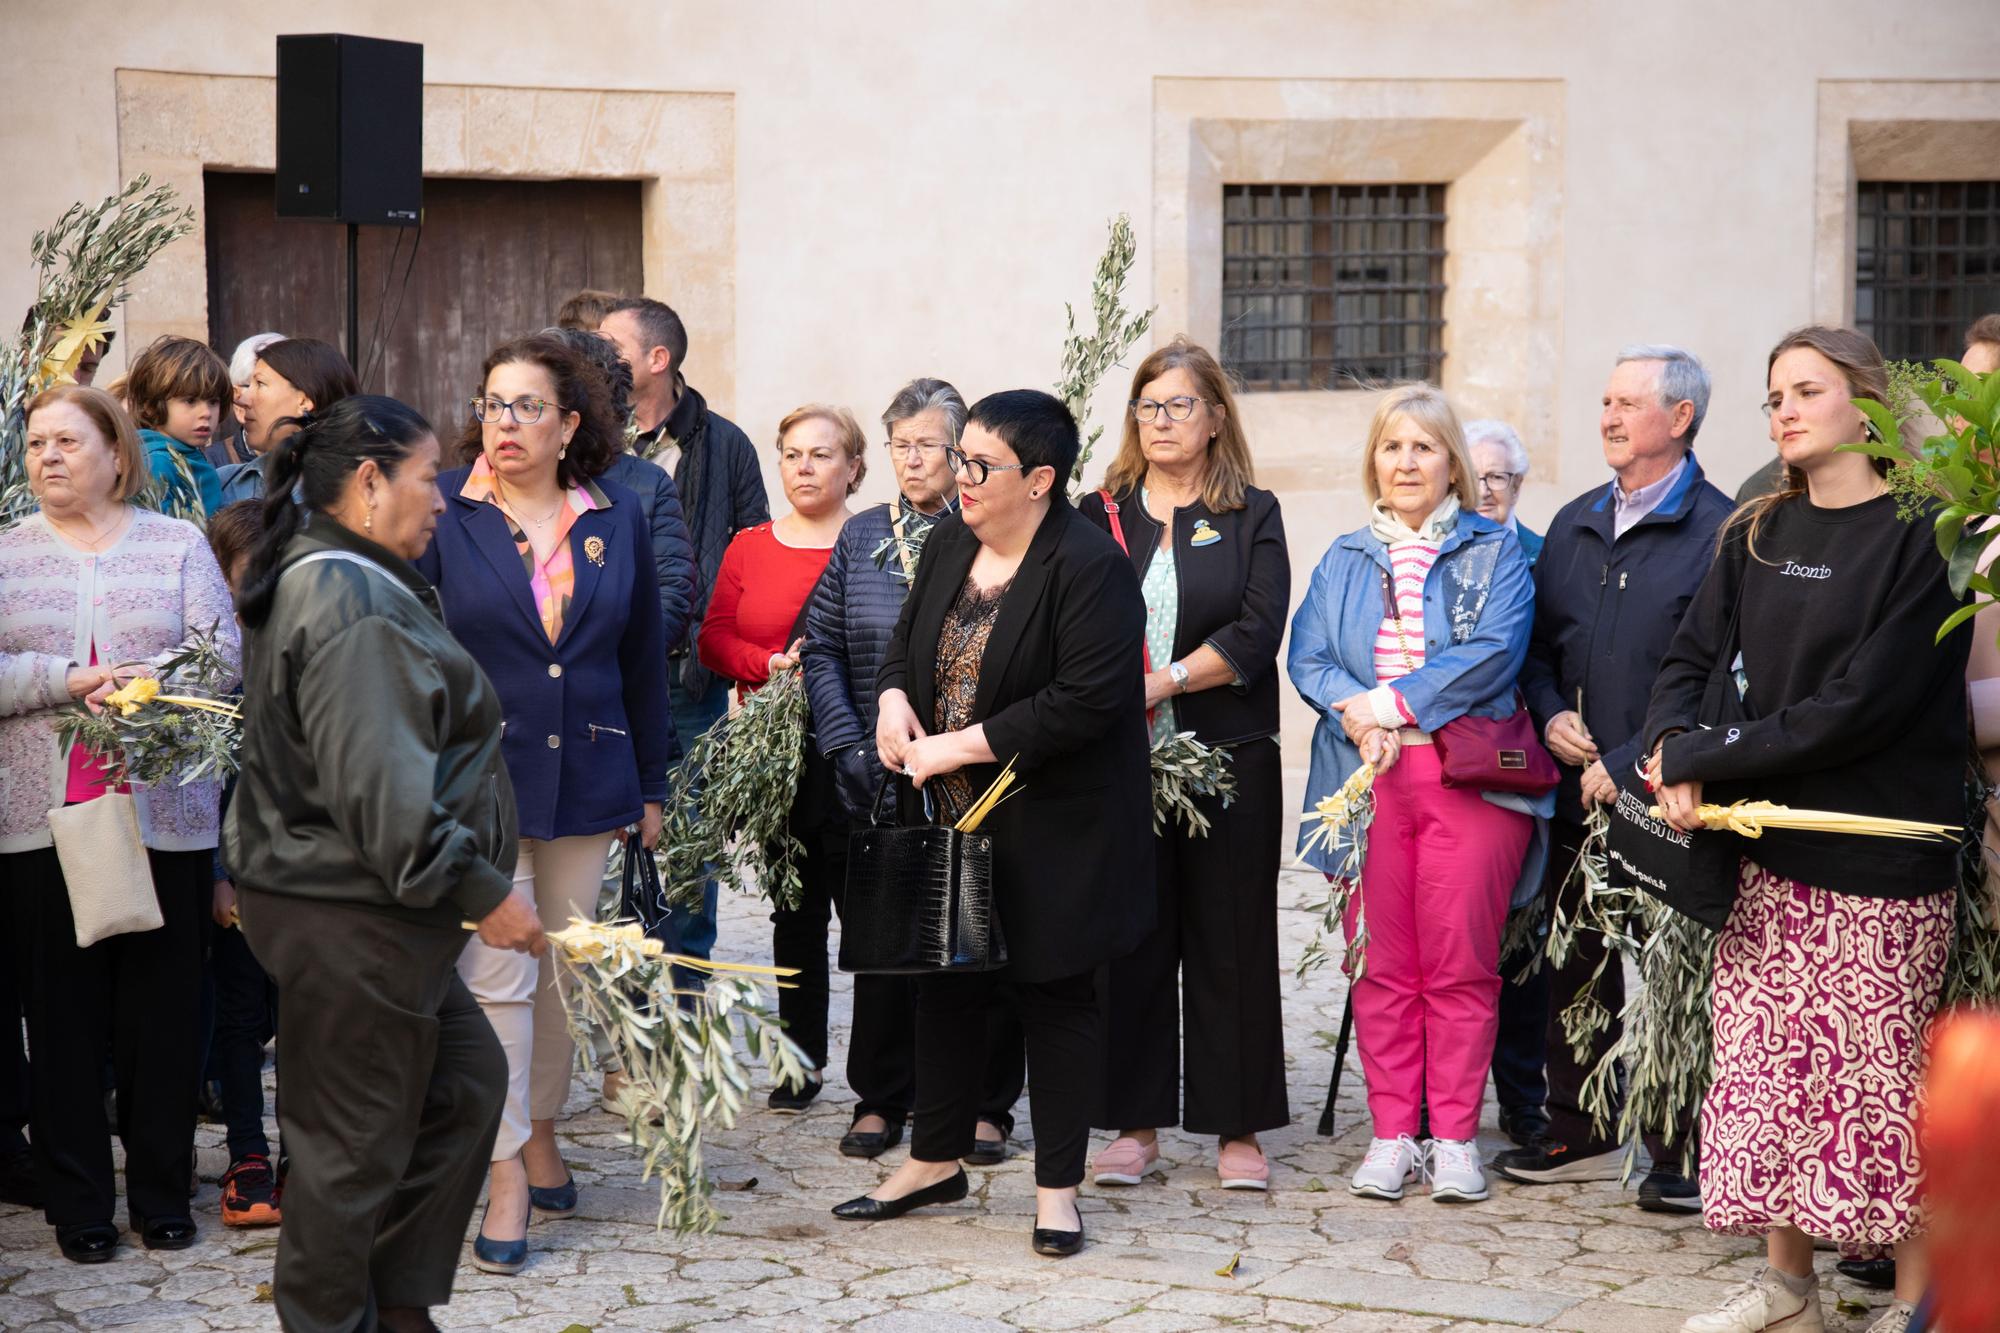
{"points": [[1822, 1010]]}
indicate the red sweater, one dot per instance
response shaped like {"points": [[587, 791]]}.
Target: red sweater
{"points": [[759, 591]]}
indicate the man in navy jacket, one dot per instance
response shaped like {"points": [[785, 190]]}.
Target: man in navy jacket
{"points": [[1618, 568], [721, 488]]}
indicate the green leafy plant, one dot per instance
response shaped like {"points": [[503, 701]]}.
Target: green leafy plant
{"points": [[1087, 356], [683, 1066], [1183, 770], [177, 727], [84, 265], [729, 804]]}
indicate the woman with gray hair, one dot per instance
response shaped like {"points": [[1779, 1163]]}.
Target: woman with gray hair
{"points": [[1501, 463], [849, 619]]}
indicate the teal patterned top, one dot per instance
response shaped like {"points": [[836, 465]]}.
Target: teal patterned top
{"points": [[1162, 590]]}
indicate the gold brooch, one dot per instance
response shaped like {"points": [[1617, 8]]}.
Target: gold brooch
{"points": [[593, 547]]}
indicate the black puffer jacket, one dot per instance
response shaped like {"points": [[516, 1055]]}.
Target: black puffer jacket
{"points": [[721, 492], [849, 619]]}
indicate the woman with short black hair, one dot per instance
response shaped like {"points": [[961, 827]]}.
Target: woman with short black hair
{"points": [[1021, 642]]}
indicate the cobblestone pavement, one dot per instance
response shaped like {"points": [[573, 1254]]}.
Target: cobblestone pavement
{"points": [[1577, 1257]]}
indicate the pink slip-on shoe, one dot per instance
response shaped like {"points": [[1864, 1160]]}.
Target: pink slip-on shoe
{"points": [[1125, 1161], [1242, 1167]]}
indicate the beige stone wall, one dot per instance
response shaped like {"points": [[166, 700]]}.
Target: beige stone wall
{"points": [[840, 197]]}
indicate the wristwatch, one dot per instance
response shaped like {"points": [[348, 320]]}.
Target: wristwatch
{"points": [[1180, 675]]}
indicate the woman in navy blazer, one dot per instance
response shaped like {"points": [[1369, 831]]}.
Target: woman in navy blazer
{"points": [[546, 575]]}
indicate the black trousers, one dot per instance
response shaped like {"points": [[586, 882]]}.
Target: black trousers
{"points": [[393, 1088], [246, 1016], [1218, 935], [1063, 1022], [1520, 1047], [881, 1046], [14, 1106], [137, 996], [1568, 1122]]}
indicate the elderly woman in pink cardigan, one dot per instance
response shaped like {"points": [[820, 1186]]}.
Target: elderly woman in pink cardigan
{"points": [[95, 590]]}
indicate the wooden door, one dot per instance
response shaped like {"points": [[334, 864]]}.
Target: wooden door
{"points": [[494, 260]]}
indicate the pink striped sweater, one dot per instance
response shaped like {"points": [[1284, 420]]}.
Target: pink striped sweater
{"points": [[138, 602]]}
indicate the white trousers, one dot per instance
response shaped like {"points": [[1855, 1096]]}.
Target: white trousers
{"points": [[518, 992]]}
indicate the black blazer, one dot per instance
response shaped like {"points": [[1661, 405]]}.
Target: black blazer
{"points": [[1061, 692], [1235, 588]]}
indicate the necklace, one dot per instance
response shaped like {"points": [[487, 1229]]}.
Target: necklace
{"points": [[538, 522], [95, 541]]}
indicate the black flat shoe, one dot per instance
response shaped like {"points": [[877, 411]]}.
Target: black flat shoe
{"points": [[856, 1143], [792, 1098], [87, 1242], [987, 1152], [864, 1209], [1880, 1274], [165, 1233], [1059, 1244]]}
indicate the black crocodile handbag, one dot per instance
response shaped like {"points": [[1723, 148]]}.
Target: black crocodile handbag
{"points": [[919, 899]]}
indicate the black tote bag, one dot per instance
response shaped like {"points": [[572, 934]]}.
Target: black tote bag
{"points": [[640, 897], [918, 899], [1696, 874]]}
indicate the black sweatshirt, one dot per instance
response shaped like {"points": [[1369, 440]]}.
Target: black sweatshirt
{"points": [[1854, 707]]}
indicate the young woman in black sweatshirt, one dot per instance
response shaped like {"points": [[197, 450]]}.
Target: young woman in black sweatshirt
{"points": [[1830, 968]]}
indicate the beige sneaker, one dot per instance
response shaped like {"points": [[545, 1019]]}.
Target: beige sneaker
{"points": [[1895, 1319], [1762, 1305]]}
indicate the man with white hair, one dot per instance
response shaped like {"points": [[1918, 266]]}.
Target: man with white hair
{"points": [[1620, 564], [1501, 462]]}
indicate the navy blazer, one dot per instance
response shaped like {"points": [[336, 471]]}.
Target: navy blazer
{"points": [[586, 729]]}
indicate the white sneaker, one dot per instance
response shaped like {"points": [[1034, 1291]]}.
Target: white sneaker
{"points": [[1456, 1176], [1762, 1305], [1389, 1163], [1895, 1319]]}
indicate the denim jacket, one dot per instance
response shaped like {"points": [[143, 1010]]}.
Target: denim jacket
{"points": [[1479, 605]]}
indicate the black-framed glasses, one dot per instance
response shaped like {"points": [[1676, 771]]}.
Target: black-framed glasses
{"points": [[977, 470], [1496, 482], [1178, 408], [527, 409]]}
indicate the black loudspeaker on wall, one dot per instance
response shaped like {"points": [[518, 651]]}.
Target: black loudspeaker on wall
{"points": [[350, 129]]}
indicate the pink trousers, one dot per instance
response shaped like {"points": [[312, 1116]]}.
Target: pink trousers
{"points": [[1441, 865]]}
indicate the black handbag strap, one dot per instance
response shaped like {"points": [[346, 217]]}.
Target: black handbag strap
{"points": [[889, 780]]}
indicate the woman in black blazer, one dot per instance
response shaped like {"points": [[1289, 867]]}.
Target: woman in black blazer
{"points": [[1210, 552], [1022, 640]]}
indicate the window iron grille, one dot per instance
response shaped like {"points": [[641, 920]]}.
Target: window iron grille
{"points": [[1332, 286], [1926, 263]]}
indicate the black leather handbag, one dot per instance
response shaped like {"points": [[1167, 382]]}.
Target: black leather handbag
{"points": [[919, 899], [640, 897]]}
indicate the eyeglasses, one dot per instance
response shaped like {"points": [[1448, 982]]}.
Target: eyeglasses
{"points": [[527, 410], [921, 448], [1177, 409], [1496, 481], [977, 470]]}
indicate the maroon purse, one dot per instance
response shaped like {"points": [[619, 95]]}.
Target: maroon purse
{"points": [[1484, 753]]}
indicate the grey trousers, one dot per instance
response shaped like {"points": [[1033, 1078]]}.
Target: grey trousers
{"points": [[393, 1089]]}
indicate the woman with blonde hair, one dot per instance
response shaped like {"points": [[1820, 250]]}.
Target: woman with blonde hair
{"points": [[755, 629], [94, 590], [1411, 623], [1209, 549]]}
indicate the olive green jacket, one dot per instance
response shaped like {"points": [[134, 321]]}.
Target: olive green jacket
{"points": [[371, 769]]}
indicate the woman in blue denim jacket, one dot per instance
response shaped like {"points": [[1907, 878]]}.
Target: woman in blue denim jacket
{"points": [[1415, 620]]}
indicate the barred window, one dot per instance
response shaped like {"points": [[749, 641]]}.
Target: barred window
{"points": [[1331, 286], [1926, 263]]}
